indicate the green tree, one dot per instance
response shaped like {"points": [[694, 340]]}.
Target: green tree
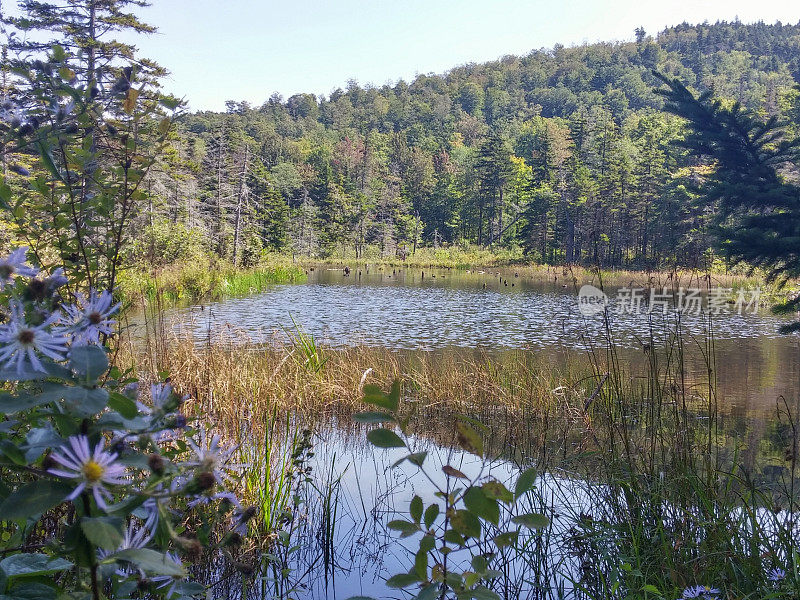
{"points": [[757, 208]]}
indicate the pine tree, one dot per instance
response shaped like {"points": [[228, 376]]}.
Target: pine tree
{"points": [[494, 171], [757, 209]]}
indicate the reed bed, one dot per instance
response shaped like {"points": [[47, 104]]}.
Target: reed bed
{"points": [[203, 281], [246, 383]]}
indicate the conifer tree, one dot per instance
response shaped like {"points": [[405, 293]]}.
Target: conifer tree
{"points": [[757, 208]]}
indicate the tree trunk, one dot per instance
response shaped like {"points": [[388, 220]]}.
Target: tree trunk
{"points": [[239, 203]]}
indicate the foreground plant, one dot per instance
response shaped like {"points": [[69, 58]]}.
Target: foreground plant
{"points": [[475, 521], [96, 483]]}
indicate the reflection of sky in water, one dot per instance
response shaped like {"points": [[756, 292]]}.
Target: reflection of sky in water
{"points": [[371, 492], [426, 316]]}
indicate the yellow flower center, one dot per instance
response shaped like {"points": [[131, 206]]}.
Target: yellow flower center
{"points": [[93, 471]]}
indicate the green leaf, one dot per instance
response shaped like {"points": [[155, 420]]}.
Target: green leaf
{"points": [[478, 503], [525, 482], [149, 561], [373, 417], [34, 499], [86, 401], [496, 490], [417, 458], [12, 452], [479, 564], [508, 538], [451, 536], [90, 362], [471, 579], [47, 159], [5, 193], [416, 509], [430, 515], [652, 589], [453, 472], [427, 543], [104, 532], [29, 565], [169, 102], [531, 521], [32, 591], [23, 375], [484, 593], [123, 405], [429, 592], [466, 523], [402, 580], [421, 564], [469, 439], [374, 395], [385, 438], [406, 528]]}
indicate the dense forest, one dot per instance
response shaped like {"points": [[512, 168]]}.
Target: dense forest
{"points": [[565, 153]]}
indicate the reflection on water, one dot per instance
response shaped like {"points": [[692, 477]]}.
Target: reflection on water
{"points": [[436, 310], [369, 489]]}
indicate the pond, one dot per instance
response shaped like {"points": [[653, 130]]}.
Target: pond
{"points": [[344, 547], [438, 309]]}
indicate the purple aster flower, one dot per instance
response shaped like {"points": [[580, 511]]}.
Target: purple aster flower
{"points": [[160, 395], [212, 457], [15, 264], [56, 279], [162, 581], [225, 496], [776, 574], [20, 343], [95, 469], [700, 591], [91, 317], [134, 537]]}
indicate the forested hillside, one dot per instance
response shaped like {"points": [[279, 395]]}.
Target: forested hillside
{"points": [[564, 152]]}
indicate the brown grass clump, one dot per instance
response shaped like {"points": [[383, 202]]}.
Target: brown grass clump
{"points": [[238, 384]]}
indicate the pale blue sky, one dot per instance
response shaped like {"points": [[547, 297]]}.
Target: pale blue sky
{"points": [[245, 50]]}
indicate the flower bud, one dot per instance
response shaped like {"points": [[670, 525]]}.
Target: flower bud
{"points": [[36, 290], [48, 462], [247, 514], [244, 568], [176, 421], [156, 463], [191, 547]]}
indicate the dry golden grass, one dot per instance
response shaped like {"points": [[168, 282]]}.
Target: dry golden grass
{"points": [[237, 384]]}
